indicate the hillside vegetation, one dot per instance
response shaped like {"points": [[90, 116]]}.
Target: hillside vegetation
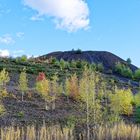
{"points": [[79, 99]]}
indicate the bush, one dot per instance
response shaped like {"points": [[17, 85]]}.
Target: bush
{"points": [[20, 114], [121, 102], [137, 74], [129, 61], [100, 67], [123, 70], [2, 109], [78, 51], [62, 64], [93, 66], [78, 64], [23, 58], [137, 99], [137, 115]]}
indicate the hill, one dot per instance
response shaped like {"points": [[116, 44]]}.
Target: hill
{"points": [[108, 59], [32, 109]]}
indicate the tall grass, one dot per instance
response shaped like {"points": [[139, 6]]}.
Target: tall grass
{"points": [[119, 131]]}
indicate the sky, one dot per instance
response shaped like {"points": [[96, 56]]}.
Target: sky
{"points": [[37, 27]]}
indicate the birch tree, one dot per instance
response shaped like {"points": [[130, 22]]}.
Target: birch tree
{"points": [[23, 83], [42, 86]]}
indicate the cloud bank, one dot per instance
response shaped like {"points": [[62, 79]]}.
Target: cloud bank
{"points": [[6, 39], [70, 15], [4, 53]]}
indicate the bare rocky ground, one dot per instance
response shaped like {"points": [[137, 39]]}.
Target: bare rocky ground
{"points": [[32, 110]]}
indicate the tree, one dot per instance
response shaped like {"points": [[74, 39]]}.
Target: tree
{"points": [[87, 90], [54, 89], [129, 61], [62, 64], [67, 88], [4, 79], [78, 51], [23, 82], [23, 58], [121, 102], [72, 87], [119, 68], [42, 86]]}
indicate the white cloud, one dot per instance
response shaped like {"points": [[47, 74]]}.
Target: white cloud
{"points": [[6, 39], [20, 35], [4, 53], [36, 18], [67, 14]]}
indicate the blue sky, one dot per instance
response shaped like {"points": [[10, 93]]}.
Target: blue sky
{"points": [[31, 28]]}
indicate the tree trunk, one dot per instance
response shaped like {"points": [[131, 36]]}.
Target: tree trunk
{"points": [[22, 96], [88, 129], [53, 105]]}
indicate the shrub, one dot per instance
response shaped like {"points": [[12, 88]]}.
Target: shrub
{"points": [[137, 74], [23, 58], [78, 51], [53, 60], [62, 64], [79, 64], [123, 70], [137, 114], [2, 109], [100, 67], [127, 72], [121, 102], [73, 64], [20, 114], [93, 66], [137, 99]]}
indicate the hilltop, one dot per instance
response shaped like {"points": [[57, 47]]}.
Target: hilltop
{"points": [[108, 59]]}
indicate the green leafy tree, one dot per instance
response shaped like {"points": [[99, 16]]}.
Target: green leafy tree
{"points": [[42, 86], [62, 64], [2, 109], [121, 102], [87, 90], [4, 79], [23, 58], [72, 87], [23, 83], [129, 61], [54, 90]]}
